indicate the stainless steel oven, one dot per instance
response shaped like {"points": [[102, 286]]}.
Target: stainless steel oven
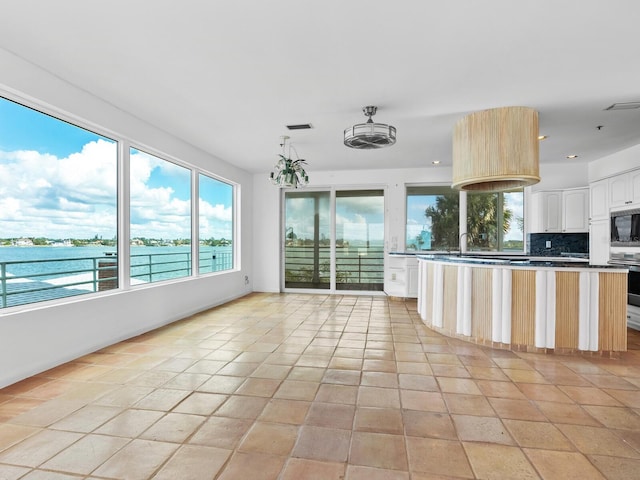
{"points": [[634, 285], [633, 280]]}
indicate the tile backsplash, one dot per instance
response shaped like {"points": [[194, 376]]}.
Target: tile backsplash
{"points": [[559, 243]]}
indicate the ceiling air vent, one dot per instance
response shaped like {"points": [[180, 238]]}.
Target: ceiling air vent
{"points": [[624, 106], [300, 126]]}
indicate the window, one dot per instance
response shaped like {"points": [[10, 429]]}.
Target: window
{"points": [[59, 212], [58, 185], [215, 225], [160, 219], [495, 221], [433, 218]]}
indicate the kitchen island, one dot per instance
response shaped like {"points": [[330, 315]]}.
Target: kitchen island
{"points": [[525, 305]]}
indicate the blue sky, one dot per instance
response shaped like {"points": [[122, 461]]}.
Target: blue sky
{"points": [[18, 124], [59, 181], [357, 218]]}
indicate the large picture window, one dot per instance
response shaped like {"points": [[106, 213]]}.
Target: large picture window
{"points": [[433, 217], [160, 219], [495, 221], [216, 242], [58, 196], [59, 212]]}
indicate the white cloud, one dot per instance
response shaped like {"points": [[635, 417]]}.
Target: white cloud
{"points": [[215, 220], [45, 196]]}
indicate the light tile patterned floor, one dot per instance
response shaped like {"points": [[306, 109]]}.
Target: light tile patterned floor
{"points": [[294, 387]]}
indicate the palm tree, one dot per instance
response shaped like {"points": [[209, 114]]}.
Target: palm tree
{"points": [[483, 215], [444, 216]]}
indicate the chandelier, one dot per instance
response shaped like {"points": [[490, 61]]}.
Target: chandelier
{"points": [[366, 136], [287, 172]]}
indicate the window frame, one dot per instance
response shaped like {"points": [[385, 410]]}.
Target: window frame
{"points": [[123, 205]]}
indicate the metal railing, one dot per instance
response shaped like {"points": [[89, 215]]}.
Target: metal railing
{"points": [[48, 279], [356, 268]]}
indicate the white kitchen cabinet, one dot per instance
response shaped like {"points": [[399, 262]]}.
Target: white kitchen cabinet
{"points": [[551, 211], [599, 242], [562, 211], [412, 279], [624, 189], [599, 200], [575, 210], [401, 276]]}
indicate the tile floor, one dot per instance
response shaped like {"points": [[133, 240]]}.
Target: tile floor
{"points": [[291, 386]]}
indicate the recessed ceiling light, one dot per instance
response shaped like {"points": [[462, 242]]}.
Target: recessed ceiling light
{"points": [[572, 156], [436, 162], [542, 137]]}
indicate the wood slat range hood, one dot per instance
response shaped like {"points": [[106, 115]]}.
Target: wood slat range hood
{"points": [[496, 150]]}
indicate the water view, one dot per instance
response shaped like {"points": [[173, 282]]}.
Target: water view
{"points": [[60, 181], [33, 274]]}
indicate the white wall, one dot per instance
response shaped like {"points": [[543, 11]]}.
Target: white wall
{"points": [[558, 176], [37, 337], [615, 163]]}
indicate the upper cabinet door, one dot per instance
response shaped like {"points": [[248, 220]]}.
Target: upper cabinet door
{"points": [[574, 210], [624, 189], [599, 199], [634, 186], [617, 191], [552, 211]]}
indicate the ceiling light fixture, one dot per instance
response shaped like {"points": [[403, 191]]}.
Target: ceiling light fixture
{"points": [[287, 172], [572, 156], [436, 162], [370, 135], [543, 137], [496, 150]]}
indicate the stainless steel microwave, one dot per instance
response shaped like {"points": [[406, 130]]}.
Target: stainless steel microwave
{"points": [[625, 228]]}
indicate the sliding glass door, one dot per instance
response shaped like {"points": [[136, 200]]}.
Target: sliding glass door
{"points": [[360, 240], [307, 240], [334, 240]]}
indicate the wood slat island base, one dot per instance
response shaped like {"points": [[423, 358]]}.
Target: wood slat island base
{"points": [[552, 308]]}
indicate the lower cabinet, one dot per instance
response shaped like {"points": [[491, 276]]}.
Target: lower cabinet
{"points": [[401, 276], [633, 317]]}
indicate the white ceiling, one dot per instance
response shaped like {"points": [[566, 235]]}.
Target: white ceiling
{"points": [[227, 76]]}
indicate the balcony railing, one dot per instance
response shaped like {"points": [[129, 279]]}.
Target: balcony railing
{"points": [[356, 268], [64, 277]]}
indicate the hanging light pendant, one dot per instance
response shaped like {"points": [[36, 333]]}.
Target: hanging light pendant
{"points": [[287, 172], [496, 150], [369, 135]]}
